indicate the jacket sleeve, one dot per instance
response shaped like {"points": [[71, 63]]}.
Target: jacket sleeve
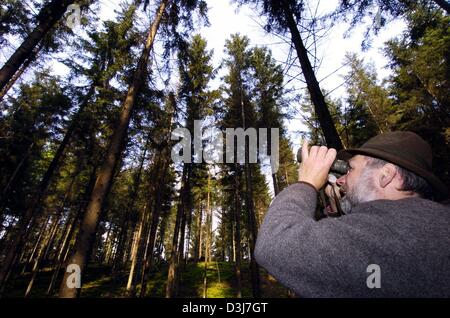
{"points": [[306, 255]]}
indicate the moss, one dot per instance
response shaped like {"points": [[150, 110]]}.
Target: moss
{"points": [[98, 282]]}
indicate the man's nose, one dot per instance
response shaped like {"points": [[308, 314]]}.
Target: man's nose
{"points": [[341, 180]]}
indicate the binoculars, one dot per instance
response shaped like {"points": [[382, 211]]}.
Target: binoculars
{"points": [[339, 166]]}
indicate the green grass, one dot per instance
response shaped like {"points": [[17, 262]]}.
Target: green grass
{"points": [[220, 282]]}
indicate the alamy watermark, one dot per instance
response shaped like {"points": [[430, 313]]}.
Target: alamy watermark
{"points": [[212, 150], [374, 279], [73, 16], [74, 278]]}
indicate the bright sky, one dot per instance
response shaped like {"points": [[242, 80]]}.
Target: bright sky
{"points": [[227, 19]]}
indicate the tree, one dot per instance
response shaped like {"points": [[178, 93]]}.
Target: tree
{"points": [[106, 48], [240, 112], [284, 16], [367, 110], [36, 114], [49, 15], [420, 83], [195, 71], [385, 11], [90, 221]]}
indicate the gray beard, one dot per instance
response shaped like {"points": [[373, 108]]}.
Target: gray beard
{"points": [[363, 191]]}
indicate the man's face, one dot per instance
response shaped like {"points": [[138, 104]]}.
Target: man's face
{"points": [[358, 184]]}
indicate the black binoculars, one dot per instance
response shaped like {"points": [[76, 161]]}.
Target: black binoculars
{"points": [[339, 166]]}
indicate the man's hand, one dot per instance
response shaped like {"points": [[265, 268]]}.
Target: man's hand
{"points": [[315, 164], [334, 195]]}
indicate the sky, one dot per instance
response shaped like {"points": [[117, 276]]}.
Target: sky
{"points": [[226, 19]]}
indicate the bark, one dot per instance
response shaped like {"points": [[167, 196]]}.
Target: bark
{"points": [[148, 259], [105, 176], [237, 232], [51, 14], [208, 241], [64, 246], [254, 268], [173, 267], [37, 243], [22, 69], [24, 223], [161, 170], [275, 184], [198, 244], [317, 98], [130, 206], [135, 252]]}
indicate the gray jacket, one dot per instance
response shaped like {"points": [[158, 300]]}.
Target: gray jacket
{"points": [[408, 239]]}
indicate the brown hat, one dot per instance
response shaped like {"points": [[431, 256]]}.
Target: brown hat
{"points": [[405, 149]]}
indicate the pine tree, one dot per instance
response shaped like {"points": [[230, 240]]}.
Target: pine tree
{"points": [[195, 71]]}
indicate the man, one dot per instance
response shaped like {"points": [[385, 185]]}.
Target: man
{"points": [[394, 242]]}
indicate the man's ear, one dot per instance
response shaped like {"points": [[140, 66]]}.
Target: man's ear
{"points": [[387, 175]]}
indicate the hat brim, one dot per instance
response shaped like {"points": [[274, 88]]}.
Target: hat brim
{"points": [[440, 188]]}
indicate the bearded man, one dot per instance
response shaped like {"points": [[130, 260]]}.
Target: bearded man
{"points": [[393, 241]]}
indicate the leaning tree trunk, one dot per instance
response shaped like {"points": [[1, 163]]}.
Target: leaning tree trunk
{"points": [[317, 98], [160, 169], [63, 247], [157, 205], [21, 228], [104, 179], [123, 234], [135, 252], [444, 4], [22, 69], [50, 14]]}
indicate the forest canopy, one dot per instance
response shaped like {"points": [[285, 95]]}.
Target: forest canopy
{"points": [[87, 175]]}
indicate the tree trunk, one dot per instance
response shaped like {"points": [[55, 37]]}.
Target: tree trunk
{"points": [[237, 232], [444, 4], [161, 170], [42, 232], [130, 205], [164, 160], [22, 69], [208, 241], [104, 179], [21, 229], [50, 14], [275, 184], [198, 239], [64, 245], [173, 267], [317, 98], [137, 242], [254, 268], [188, 240]]}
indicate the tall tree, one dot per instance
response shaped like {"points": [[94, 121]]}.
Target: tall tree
{"points": [[49, 15], [108, 51], [420, 61], [90, 221], [285, 16], [239, 111], [40, 104], [195, 71], [176, 12]]}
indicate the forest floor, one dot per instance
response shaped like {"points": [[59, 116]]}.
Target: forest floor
{"points": [[220, 283]]}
